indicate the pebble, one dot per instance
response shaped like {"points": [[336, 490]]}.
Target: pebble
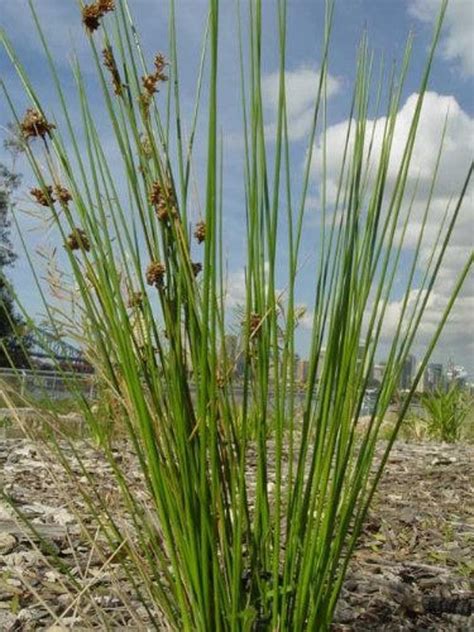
{"points": [[344, 613], [7, 543], [7, 620]]}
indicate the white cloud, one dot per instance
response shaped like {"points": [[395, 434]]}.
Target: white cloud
{"points": [[301, 91], [456, 341], [458, 337], [457, 152], [235, 289], [457, 43], [305, 316]]}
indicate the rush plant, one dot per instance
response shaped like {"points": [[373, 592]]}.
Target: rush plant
{"points": [[252, 505], [446, 411]]}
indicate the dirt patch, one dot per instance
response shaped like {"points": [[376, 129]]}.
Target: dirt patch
{"points": [[414, 566], [413, 569]]}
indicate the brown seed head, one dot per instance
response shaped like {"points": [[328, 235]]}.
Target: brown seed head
{"points": [[43, 196], [155, 273], [160, 65], [145, 101], [221, 379], [34, 124], [106, 5], [111, 65], [163, 200], [196, 267], [135, 299], [200, 232], [91, 14], [62, 194], [146, 147], [149, 84], [155, 194], [78, 240], [167, 206], [254, 324], [162, 213]]}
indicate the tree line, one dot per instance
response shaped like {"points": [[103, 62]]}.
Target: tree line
{"points": [[14, 340]]}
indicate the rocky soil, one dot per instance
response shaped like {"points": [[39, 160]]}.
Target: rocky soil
{"points": [[413, 569]]}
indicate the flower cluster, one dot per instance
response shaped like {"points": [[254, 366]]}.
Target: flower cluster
{"points": [[151, 81], [78, 240], [46, 196], [155, 273], [135, 299], [62, 194], [163, 199], [92, 13], [146, 147], [196, 268], [43, 196], [200, 232], [35, 125], [221, 379], [255, 323], [111, 65]]}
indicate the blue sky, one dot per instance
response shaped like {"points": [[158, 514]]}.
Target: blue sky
{"points": [[387, 22]]}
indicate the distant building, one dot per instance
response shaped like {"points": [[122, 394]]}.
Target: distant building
{"points": [[378, 371], [456, 375], [408, 371], [301, 370], [322, 358], [433, 377]]}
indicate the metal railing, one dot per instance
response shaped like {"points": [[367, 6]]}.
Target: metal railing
{"points": [[44, 384]]}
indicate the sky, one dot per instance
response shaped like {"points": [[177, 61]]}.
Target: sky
{"points": [[388, 24]]}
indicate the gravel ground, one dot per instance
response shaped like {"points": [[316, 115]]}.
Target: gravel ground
{"points": [[413, 569]]}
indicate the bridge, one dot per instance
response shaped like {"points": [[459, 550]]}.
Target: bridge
{"points": [[48, 348]]}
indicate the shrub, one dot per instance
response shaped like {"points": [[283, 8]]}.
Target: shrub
{"points": [[446, 412]]}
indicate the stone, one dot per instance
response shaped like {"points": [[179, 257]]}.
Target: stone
{"points": [[7, 543], [70, 623], [23, 559], [344, 613], [7, 620]]}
